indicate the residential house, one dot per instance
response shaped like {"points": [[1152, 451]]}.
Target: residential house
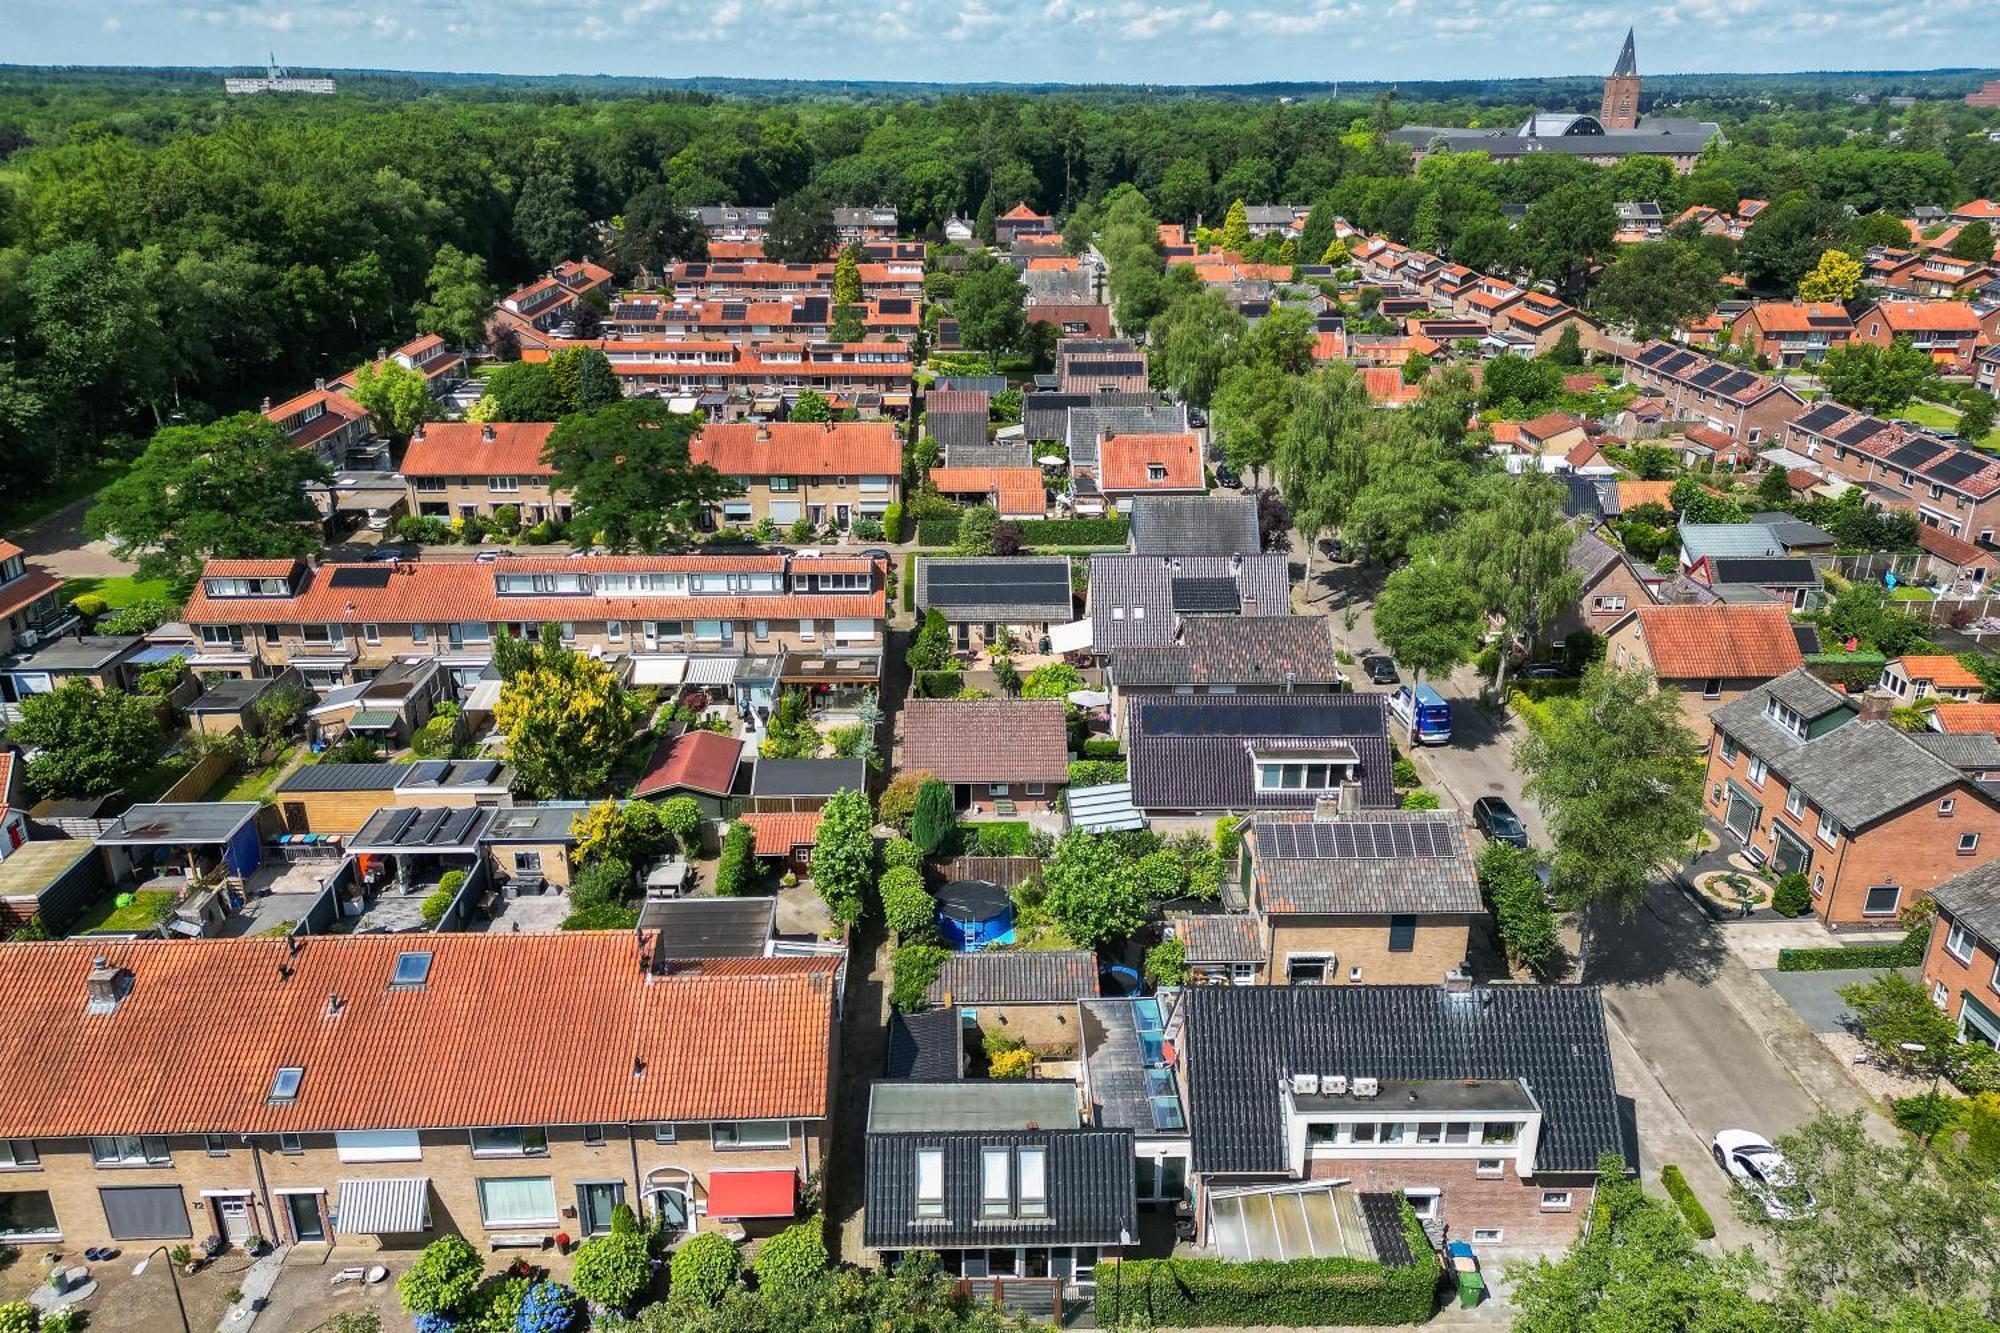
{"points": [[1383, 897], [1798, 776], [998, 1179], [227, 706], [1986, 369], [1086, 427], [319, 1118], [1950, 486], [799, 786], [1912, 678], [1103, 374], [1552, 435], [341, 623], [1020, 220], [825, 472], [31, 606], [550, 300], [1792, 333], [854, 225], [1962, 964], [1706, 655], [1283, 220], [1000, 756], [1030, 994], [763, 280], [730, 380], [471, 469], [1743, 405], [786, 319], [331, 424], [732, 222], [1227, 655], [784, 840], [1945, 331], [1488, 1109], [1955, 561], [105, 661], [1185, 525], [1204, 755], [983, 598], [1790, 581], [956, 419], [1702, 543], [1072, 319], [1045, 414], [1543, 318], [1129, 466], [1639, 220], [426, 354], [696, 763], [338, 798], [1140, 599], [1611, 588], [1015, 493]]}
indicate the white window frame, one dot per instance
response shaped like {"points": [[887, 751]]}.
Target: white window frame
{"points": [[19, 1155], [930, 1182], [1968, 844], [1757, 771], [1947, 807], [665, 1131], [1558, 1201], [1328, 964], [1490, 1168], [1795, 803], [1031, 1183], [1827, 832], [1488, 1235], [131, 1150], [995, 1182], [496, 1223], [1958, 942], [378, 1145], [533, 1141], [1426, 1201], [727, 1136]]}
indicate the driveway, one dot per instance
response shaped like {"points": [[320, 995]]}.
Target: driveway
{"points": [[1815, 996], [56, 542]]}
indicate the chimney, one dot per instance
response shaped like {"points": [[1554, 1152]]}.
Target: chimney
{"points": [[417, 432], [1876, 703], [381, 354], [1235, 564], [267, 404], [107, 985], [486, 435], [763, 432], [319, 382], [1457, 983], [1350, 798]]}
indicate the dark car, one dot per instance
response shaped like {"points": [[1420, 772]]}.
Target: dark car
{"points": [[1225, 476], [1381, 669], [1496, 819]]}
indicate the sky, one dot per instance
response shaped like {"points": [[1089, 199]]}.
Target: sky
{"points": [[1028, 41]]}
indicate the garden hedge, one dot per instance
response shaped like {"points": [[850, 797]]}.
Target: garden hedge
{"points": [[1691, 1208], [1037, 532], [937, 532], [1857, 671], [1301, 1293], [1908, 953]]}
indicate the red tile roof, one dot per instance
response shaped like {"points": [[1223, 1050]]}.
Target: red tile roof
{"points": [[557, 1029], [1697, 642], [1925, 316], [1939, 669], [1632, 494], [471, 448], [1549, 425], [259, 568], [799, 448], [1583, 455], [778, 834], [1022, 213], [1384, 384], [703, 761], [1955, 549], [1018, 490], [1978, 209], [1709, 437], [987, 740], [1965, 718], [1798, 316], [26, 590], [1125, 462]]}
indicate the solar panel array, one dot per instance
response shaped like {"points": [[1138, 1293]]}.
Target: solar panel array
{"points": [[1914, 454], [1859, 431], [1001, 582], [1275, 719], [436, 826], [1213, 595], [1963, 463], [814, 310], [1821, 417], [360, 576], [1358, 840], [735, 310], [894, 305]]}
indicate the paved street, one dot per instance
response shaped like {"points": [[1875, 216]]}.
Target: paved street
{"points": [[56, 543]]}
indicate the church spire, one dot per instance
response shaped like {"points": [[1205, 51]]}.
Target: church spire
{"points": [[1628, 60]]}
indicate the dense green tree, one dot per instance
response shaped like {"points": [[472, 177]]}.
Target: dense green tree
{"points": [[88, 742], [549, 221], [1564, 230], [1523, 386], [1196, 338], [1184, 191], [1835, 277], [1428, 618], [567, 718], [585, 377], [626, 470], [1869, 378], [1236, 228], [1787, 239], [935, 819], [398, 398], [801, 230], [523, 391], [1092, 891], [1250, 412], [844, 855], [1654, 288], [1974, 241], [461, 299], [231, 489], [990, 306], [656, 229], [1321, 458], [1512, 542]]}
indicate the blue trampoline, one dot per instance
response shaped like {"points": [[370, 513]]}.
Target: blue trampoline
{"points": [[973, 914]]}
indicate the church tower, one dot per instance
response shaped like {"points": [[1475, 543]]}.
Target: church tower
{"points": [[1621, 92]]}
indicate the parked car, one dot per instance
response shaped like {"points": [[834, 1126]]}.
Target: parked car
{"points": [[1752, 1164], [1225, 476], [1495, 818], [1381, 669], [1542, 671]]}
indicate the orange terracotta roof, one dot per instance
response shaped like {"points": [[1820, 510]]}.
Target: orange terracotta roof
{"points": [[1978, 209], [471, 448], [1955, 549], [1581, 383], [778, 834], [1632, 494], [1697, 642], [263, 568], [1022, 213], [1710, 437], [556, 1029], [8, 550], [1506, 432], [1939, 669], [1125, 462], [1583, 454], [1926, 316], [799, 448], [1384, 384], [1054, 264], [726, 250], [31, 587], [1967, 718], [1549, 425], [703, 761], [1016, 490], [1798, 316]]}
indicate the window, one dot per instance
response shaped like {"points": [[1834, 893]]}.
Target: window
{"points": [[1426, 1203], [377, 1145], [513, 1201], [1034, 789], [1555, 1201], [290, 1145], [1827, 832], [1362, 1132], [1490, 1168], [505, 485], [215, 1145], [1607, 603], [28, 1215], [1946, 807], [1307, 969], [997, 789], [527, 863], [412, 971], [1728, 750], [593, 1136], [1458, 1131], [614, 630], [1756, 771], [663, 1133], [994, 1200], [1402, 934], [509, 1141], [1487, 1235], [1712, 688], [930, 1182], [1882, 900], [130, 1150], [1940, 996], [19, 1155], [1430, 1131], [752, 1134], [1819, 884], [420, 634], [1156, 472], [285, 1084], [371, 634], [1968, 843], [1959, 943], [1795, 803], [1500, 1133]]}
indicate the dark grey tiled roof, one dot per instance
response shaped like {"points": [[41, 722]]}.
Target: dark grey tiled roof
{"points": [[1020, 589], [1974, 899], [1234, 650], [1086, 424], [1240, 1039], [1132, 596], [1192, 752], [1045, 416], [807, 777], [711, 927], [344, 777], [1195, 525], [1590, 555], [1358, 866], [1016, 976], [1224, 938], [1090, 1177], [985, 453], [1969, 751], [928, 1046]]}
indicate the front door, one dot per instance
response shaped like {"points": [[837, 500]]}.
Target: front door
{"points": [[671, 1211], [302, 1211], [594, 1201], [841, 516], [1742, 815], [238, 1225]]}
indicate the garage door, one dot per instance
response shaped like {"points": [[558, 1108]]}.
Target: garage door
{"points": [[146, 1212]]}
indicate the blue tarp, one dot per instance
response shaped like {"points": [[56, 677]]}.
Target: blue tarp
{"points": [[244, 851]]}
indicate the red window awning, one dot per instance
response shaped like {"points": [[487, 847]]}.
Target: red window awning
{"points": [[739, 1194]]}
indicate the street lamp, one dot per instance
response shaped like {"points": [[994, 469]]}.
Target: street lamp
{"points": [[139, 1270], [1930, 1098]]}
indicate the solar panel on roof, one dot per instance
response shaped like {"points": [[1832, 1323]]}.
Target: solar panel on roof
{"points": [[895, 305], [1709, 374], [1960, 465], [1736, 382], [1652, 356], [1260, 719], [1678, 362], [1354, 840], [359, 576], [1914, 454], [1821, 417], [1859, 431], [735, 310], [986, 585], [1217, 594]]}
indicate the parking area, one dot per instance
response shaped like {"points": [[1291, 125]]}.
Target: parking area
{"points": [[1815, 996]]}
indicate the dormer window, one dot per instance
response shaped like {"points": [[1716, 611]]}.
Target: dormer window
{"points": [[930, 1182], [1785, 717], [285, 1085]]}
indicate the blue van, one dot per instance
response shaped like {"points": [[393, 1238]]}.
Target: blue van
{"points": [[1433, 714]]}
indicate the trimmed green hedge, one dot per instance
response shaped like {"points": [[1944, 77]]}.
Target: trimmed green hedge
{"points": [[1857, 671], [1302, 1293], [892, 523], [1101, 747], [1691, 1208], [1036, 532], [1909, 953], [937, 532]]}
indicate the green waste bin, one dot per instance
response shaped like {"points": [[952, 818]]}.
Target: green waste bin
{"points": [[1471, 1290]]}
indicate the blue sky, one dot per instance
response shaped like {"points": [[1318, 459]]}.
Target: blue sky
{"points": [[1121, 41]]}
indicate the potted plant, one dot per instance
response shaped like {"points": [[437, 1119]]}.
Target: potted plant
{"points": [[562, 1242], [253, 1244]]}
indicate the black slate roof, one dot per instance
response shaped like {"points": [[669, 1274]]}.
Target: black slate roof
{"points": [[807, 777], [1016, 976], [1091, 1182], [1195, 525], [1011, 589], [928, 1046], [1241, 1039], [1765, 571], [1192, 752]]}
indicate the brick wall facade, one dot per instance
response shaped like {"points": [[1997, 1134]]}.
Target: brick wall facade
{"points": [[1440, 947], [1971, 985]]}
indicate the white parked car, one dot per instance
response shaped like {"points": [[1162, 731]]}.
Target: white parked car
{"points": [[1751, 1163]]}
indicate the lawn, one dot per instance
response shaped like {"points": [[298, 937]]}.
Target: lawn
{"points": [[164, 773], [145, 909], [988, 837], [1932, 415], [255, 784], [118, 592], [16, 514], [1903, 592]]}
